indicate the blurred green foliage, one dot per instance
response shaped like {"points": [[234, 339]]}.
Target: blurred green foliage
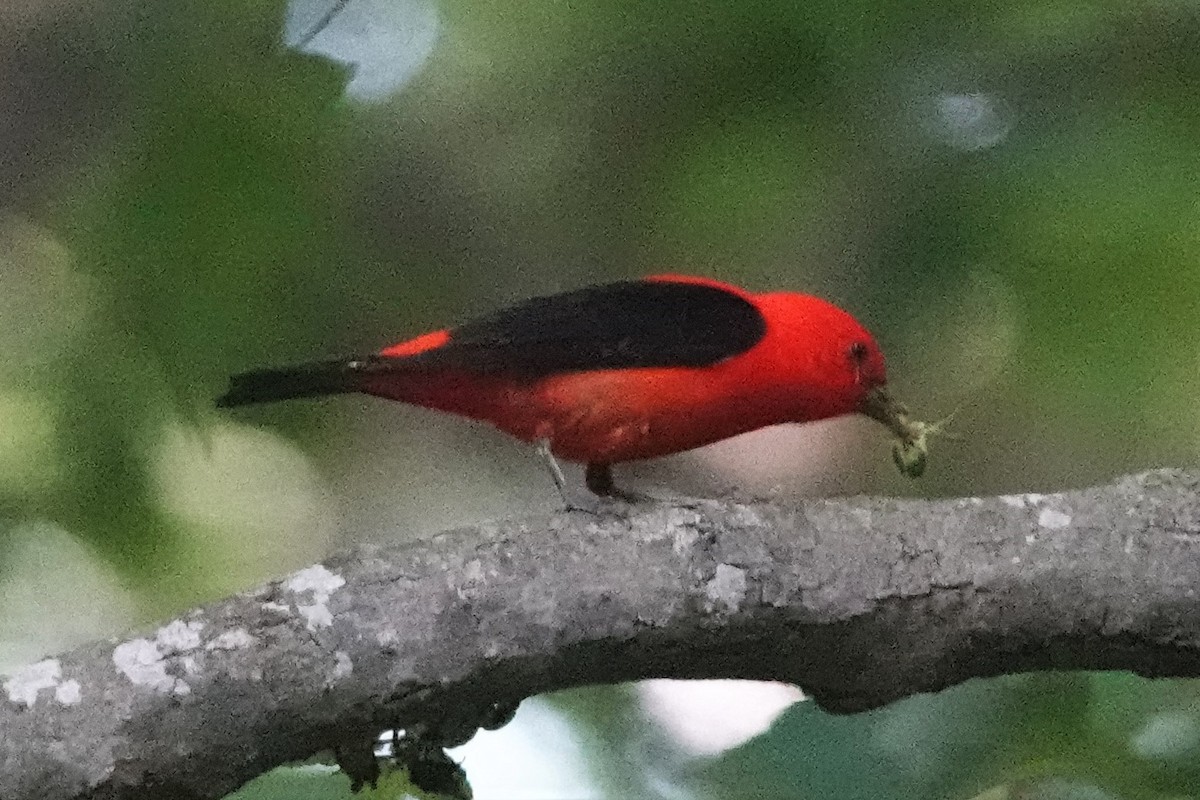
{"points": [[1041, 735], [1006, 192], [316, 782]]}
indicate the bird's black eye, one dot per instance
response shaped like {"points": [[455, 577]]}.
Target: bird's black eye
{"points": [[858, 352]]}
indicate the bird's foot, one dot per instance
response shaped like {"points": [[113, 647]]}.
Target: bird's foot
{"points": [[597, 506]]}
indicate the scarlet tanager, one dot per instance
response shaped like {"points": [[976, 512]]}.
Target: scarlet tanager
{"points": [[626, 371]]}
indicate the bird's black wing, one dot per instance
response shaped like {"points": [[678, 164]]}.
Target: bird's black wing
{"points": [[620, 325]]}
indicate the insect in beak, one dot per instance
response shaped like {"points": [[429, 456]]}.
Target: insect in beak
{"points": [[911, 448]]}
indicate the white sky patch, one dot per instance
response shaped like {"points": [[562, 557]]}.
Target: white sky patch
{"points": [[386, 42], [25, 683], [537, 756], [708, 717]]}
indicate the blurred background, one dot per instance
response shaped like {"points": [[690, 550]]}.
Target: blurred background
{"points": [[1007, 193]]}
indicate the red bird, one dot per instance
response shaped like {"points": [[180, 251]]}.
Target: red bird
{"points": [[622, 371]]}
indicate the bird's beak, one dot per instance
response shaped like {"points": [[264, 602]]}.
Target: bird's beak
{"points": [[880, 405]]}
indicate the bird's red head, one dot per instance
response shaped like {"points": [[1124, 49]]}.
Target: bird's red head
{"points": [[831, 363]]}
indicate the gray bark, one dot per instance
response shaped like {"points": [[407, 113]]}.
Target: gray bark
{"points": [[859, 601]]}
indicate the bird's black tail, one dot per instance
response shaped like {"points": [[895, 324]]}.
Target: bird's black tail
{"points": [[287, 383]]}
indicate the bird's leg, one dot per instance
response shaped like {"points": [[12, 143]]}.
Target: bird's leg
{"points": [[556, 473], [599, 480]]}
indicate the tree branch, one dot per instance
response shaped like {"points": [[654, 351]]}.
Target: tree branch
{"points": [[860, 601]]}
